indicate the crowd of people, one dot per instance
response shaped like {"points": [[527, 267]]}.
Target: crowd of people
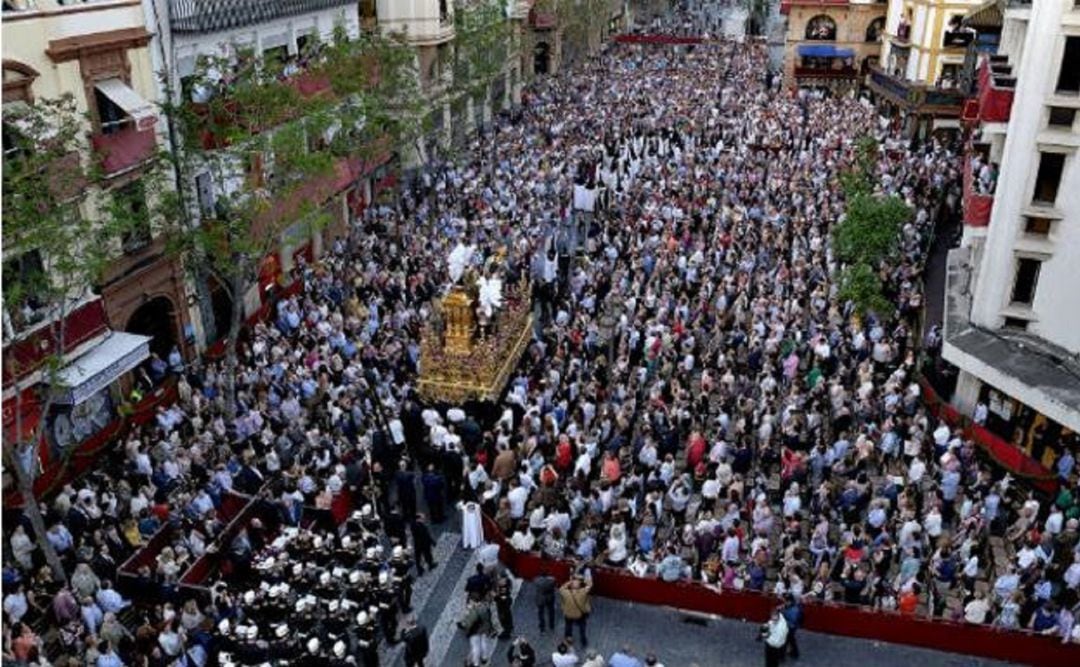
{"points": [[698, 402]]}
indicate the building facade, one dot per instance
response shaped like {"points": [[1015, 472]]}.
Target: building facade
{"points": [[1012, 321], [190, 32], [831, 43], [99, 54]]}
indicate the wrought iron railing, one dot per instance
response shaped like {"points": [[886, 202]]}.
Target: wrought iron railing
{"points": [[195, 16]]}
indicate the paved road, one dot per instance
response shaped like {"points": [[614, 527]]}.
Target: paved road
{"points": [[683, 640]]}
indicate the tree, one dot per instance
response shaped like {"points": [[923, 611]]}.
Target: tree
{"points": [[53, 256], [870, 231], [483, 41], [860, 286], [272, 137], [869, 234]]}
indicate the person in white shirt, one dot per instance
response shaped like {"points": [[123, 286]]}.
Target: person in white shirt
{"points": [[518, 496], [564, 657], [976, 611], [775, 634]]}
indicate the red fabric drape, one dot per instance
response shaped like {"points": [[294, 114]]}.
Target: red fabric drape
{"points": [[834, 619]]}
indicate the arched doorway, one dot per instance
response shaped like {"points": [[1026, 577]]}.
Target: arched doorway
{"points": [[155, 318], [222, 304], [541, 58]]}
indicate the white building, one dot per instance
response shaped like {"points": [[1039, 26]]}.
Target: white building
{"points": [[924, 40], [190, 28], [1012, 320]]}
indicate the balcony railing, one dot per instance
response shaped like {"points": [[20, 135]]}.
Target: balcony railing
{"points": [[124, 148], [915, 96], [977, 206], [825, 72], [997, 87], [200, 16]]}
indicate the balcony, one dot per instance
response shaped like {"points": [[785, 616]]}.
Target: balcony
{"points": [[206, 16], [542, 20], [915, 97], [958, 39], [124, 148], [977, 205], [996, 87]]}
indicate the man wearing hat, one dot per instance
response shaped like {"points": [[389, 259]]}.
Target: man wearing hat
{"points": [[387, 600], [367, 639], [401, 566]]}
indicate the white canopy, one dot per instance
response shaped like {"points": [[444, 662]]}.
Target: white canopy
{"points": [[101, 366], [141, 111]]}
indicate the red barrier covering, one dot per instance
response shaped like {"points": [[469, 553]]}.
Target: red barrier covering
{"points": [[657, 39], [1008, 456], [836, 619]]}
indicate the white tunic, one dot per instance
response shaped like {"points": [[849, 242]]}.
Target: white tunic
{"points": [[472, 530]]}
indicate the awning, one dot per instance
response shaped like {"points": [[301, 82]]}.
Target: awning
{"points": [[127, 99], [824, 51], [101, 366], [987, 15]]}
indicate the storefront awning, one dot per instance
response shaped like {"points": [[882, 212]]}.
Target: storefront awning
{"points": [[101, 366], [141, 111], [824, 51]]}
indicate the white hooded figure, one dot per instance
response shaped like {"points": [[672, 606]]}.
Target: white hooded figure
{"points": [[472, 530], [490, 295], [460, 258]]}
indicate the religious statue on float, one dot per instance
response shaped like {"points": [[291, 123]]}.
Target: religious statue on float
{"points": [[472, 301]]}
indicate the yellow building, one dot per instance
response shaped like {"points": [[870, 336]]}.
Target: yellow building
{"points": [[925, 59], [831, 43], [101, 54]]}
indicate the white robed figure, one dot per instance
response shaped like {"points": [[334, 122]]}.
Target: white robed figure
{"points": [[490, 294], [472, 529], [460, 258]]}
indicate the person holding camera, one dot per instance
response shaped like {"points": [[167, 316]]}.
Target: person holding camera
{"points": [[521, 653]]}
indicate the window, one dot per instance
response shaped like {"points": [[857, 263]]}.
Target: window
{"points": [[23, 287], [875, 29], [15, 145], [1037, 226], [129, 212], [1048, 179], [444, 11], [1061, 116], [1027, 277], [369, 13], [205, 187], [1069, 77], [1017, 323], [111, 118], [821, 28]]}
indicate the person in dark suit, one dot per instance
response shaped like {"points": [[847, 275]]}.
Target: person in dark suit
{"points": [[422, 544], [405, 481], [415, 637], [545, 599], [435, 493]]}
